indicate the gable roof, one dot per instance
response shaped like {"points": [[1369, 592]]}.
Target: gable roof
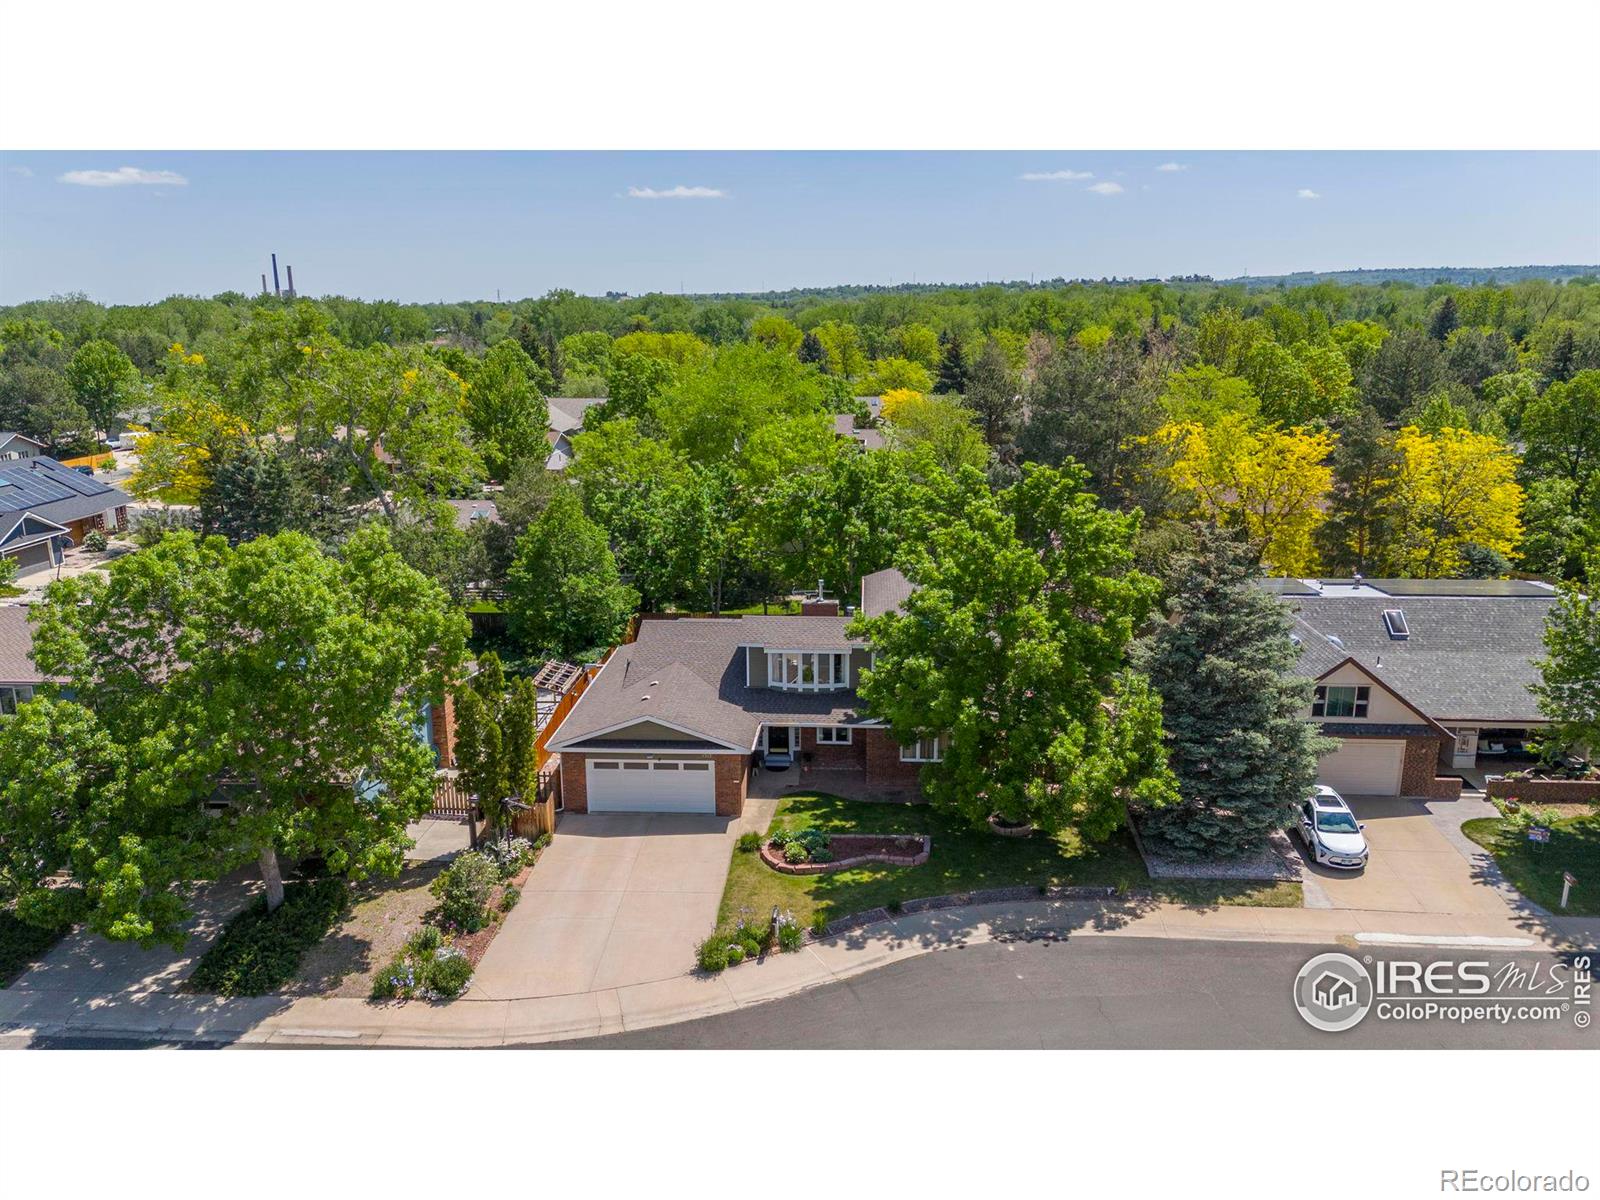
{"points": [[7, 436], [1467, 657], [16, 643], [46, 488], [883, 591], [689, 674]]}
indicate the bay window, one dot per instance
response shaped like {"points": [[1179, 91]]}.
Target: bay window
{"points": [[808, 670]]}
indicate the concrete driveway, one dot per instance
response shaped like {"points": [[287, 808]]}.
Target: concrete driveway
{"points": [[617, 899], [1412, 868]]}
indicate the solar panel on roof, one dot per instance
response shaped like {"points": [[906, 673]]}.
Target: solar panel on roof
{"points": [[1458, 587]]}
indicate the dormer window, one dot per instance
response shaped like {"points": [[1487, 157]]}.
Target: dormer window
{"points": [[808, 670]]}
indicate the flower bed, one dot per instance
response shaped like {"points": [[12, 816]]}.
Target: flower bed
{"points": [[848, 850], [1004, 828]]}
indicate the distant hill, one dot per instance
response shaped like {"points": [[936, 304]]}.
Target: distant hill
{"points": [[1419, 276]]}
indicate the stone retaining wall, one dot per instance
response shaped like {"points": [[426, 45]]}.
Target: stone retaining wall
{"points": [[775, 860]]}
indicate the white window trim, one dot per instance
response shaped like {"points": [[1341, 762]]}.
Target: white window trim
{"points": [[914, 752], [835, 738], [776, 660]]}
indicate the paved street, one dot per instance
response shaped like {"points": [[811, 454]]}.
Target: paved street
{"points": [[1087, 993]]}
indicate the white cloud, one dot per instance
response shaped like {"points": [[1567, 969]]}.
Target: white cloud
{"points": [[123, 177], [1106, 189], [1052, 176], [677, 193], [1173, 167], [25, 172], [1308, 194]]}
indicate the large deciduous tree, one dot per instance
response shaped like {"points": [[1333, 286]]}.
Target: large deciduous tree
{"points": [[1568, 690], [565, 594], [228, 705], [1010, 652], [1455, 488], [1232, 706], [505, 409], [104, 381]]}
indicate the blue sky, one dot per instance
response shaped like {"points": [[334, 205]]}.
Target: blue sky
{"points": [[128, 227]]}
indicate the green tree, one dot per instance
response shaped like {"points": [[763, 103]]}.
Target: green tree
{"points": [[1405, 368], [104, 381], [941, 425], [564, 592], [1568, 690], [633, 381], [1010, 652], [481, 756], [994, 395], [507, 414], [1205, 395], [1355, 539], [251, 493], [269, 683], [1232, 706], [952, 379], [1562, 432], [1444, 320]]}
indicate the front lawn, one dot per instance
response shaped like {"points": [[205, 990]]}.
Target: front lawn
{"points": [[1536, 869], [963, 860]]}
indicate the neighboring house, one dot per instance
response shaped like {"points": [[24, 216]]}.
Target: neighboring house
{"points": [[18, 675], [45, 507], [675, 720], [1417, 677], [844, 425], [469, 511], [566, 420], [18, 445]]}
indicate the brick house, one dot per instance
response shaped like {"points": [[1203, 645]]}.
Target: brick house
{"points": [[677, 719], [1418, 678]]}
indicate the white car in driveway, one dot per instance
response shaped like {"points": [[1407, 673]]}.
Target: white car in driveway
{"points": [[1330, 830]]}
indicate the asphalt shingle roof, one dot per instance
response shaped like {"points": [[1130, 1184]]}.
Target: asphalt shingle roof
{"points": [[1467, 657], [16, 640], [43, 486], [690, 673], [883, 591]]}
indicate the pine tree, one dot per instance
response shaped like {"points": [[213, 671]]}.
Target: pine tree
{"points": [[1232, 706], [1355, 537], [952, 367], [813, 351], [1445, 319], [1561, 362], [993, 396]]}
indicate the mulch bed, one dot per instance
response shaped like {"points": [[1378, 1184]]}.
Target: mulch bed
{"points": [[853, 849], [475, 945]]}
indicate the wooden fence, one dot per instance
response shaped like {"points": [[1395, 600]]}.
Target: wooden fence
{"points": [[541, 751], [449, 798], [541, 816]]}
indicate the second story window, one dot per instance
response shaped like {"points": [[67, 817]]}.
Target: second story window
{"points": [[1337, 701], [808, 670]]}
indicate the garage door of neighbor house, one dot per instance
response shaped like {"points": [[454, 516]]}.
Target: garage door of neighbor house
{"points": [[1363, 767], [632, 785]]}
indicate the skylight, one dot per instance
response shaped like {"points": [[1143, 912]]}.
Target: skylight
{"points": [[1394, 619]]}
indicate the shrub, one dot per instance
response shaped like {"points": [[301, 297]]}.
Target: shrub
{"points": [[259, 952], [449, 974], [425, 940], [712, 954], [397, 979], [21, 943], [736, 954], [463, 891], [750, 944], [794, 852], [508, 856], [95, 540], [509, 898], [819, 922], [779, 839], [789, 933], [749, 843], [822, 856]]}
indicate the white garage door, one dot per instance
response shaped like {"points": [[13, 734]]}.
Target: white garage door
{"points": [[633, 785], [1362, 767]]}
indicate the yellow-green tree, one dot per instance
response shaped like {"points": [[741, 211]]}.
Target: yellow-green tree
{"points": [[1268, 482], [1456, 489]]}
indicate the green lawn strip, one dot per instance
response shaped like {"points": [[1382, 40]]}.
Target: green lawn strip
{"points": [[963, 860], [1535, 870], [22, 945], [257, 953]]}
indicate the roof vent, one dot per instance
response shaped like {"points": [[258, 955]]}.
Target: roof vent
{"points": [[1334, 638], [1394, 619]]}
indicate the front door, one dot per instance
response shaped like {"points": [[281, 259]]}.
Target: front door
{"points": [[777, 739]]}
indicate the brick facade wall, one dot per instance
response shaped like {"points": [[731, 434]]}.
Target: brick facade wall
{"points": [[1419, 776], [833, 757], [444, 731], [732, 781], [1546, 791], [884, 768]]}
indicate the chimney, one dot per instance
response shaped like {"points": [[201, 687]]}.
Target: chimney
{"points": [[819, 608], [276, 290], [291, 281], [263, 283]]}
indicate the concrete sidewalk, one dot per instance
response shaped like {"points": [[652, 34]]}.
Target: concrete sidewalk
{"points": [[469, 1023]]}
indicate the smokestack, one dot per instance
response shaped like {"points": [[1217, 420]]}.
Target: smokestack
{"points": [[276, 291], [291, 281], [263, 283]]}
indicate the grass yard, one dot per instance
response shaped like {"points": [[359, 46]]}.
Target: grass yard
{"points": [[963, 859], [1536, 870]]}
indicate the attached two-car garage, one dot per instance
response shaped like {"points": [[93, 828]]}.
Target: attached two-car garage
{"points": [[651, 785], [1364, 767]]}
